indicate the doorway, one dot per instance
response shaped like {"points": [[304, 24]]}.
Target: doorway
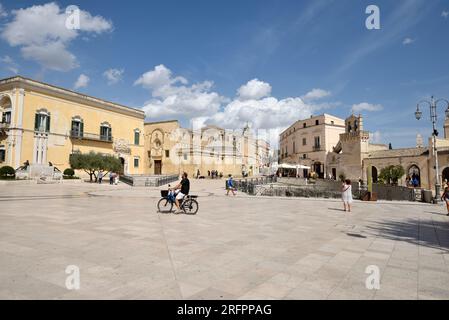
{"points": [[157, 167], [122, 168], [334, 173], [374, 174]]}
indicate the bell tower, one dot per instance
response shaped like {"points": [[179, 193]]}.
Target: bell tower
{"points": [[446, 128]]}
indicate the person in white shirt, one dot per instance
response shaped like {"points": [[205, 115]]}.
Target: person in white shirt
{"points": [[346, 195]]}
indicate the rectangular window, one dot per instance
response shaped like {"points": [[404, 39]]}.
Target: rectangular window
{"points": [[294, 147], [136, 138], [136, 162], [167, 153], [6, 117], [42, 122], [317, 143], [185, 156], [77, 129], [2, 155], [105, 133], [304, 125], [304, 141], [317, 122]]}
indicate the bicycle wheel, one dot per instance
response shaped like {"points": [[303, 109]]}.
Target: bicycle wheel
{"points": [[164, 205], [190, 206]]}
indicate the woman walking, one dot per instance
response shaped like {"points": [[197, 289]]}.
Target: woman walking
{"points": [[445, 198], [346, 195]]}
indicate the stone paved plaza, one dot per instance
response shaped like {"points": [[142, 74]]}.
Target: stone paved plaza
{"points": [[234, 248]]}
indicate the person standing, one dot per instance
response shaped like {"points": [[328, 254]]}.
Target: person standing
{"points": [[116, 178], [100, 176], [230, 185], [445, 198], [346, 195], [111, 178]]}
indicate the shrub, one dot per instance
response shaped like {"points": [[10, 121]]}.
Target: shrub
{"points": [[391, 174], [69, 172], [7, 172], [93, 162], [342, 177]]}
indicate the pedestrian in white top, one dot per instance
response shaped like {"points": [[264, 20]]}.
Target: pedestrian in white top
{"points": [[346, 194]]}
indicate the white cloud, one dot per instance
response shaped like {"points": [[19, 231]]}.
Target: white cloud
{"points": [[113, 75], [408, 41], [375, 137], [40, 33], [316, 94], [82, 81], [266, 113], [254, 89], [6, 59], [173, 97], [3, 12], [445, 14], [9, 64], [365, 106]]}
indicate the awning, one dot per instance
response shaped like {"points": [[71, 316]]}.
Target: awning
{"points": [[292, 166]]}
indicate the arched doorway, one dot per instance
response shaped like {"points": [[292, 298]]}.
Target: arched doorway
{"points": [[317, 168], [374, 174], [414, 176], [445, 174]]}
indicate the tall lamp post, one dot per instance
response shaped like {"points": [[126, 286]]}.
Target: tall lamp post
{"points": [[433, 117]]}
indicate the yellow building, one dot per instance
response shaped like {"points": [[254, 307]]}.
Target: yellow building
{"points": [[172, 149], [43, 124]]}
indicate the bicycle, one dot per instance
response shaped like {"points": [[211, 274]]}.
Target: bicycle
{"points": [[188, 204]]}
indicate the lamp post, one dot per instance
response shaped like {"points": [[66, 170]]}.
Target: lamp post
{"points": [[433, 118]]}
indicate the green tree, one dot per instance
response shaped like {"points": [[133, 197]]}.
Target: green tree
{"points": [[93, 162], [391, 174]]}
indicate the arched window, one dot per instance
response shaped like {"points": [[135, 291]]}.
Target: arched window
{"points": [[414, 176], [105, 132], [5, 109], [42, 121]]}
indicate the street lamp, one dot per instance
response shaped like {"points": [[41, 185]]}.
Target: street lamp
{"points": [[433, 117]]}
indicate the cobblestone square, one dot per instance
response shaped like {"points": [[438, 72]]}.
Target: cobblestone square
{"points": [[238, 247]]}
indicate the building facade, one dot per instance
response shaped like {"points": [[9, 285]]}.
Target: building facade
{"points": [[42, 124], [173, 149], [308, 142], [348, 151]]}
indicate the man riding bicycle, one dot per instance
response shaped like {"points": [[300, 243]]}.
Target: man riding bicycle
{"points": [[182, 190]]}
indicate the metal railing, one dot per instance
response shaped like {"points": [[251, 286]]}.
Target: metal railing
{"points": [[77, 134], [249, 185]]}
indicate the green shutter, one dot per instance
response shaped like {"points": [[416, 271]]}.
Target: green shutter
{"points": [[81, 129], [36, 122], [110, 134], [47, 129]]}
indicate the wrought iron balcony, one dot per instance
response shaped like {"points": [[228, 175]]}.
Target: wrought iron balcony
{"points": [[317, 148], [77, 134]]}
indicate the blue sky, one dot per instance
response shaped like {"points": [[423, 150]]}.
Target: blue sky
{"points": [[196, 59]]}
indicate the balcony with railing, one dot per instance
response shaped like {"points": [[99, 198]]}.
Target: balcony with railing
{"points": [[76, 134], [4, 125], [317, 148]]}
